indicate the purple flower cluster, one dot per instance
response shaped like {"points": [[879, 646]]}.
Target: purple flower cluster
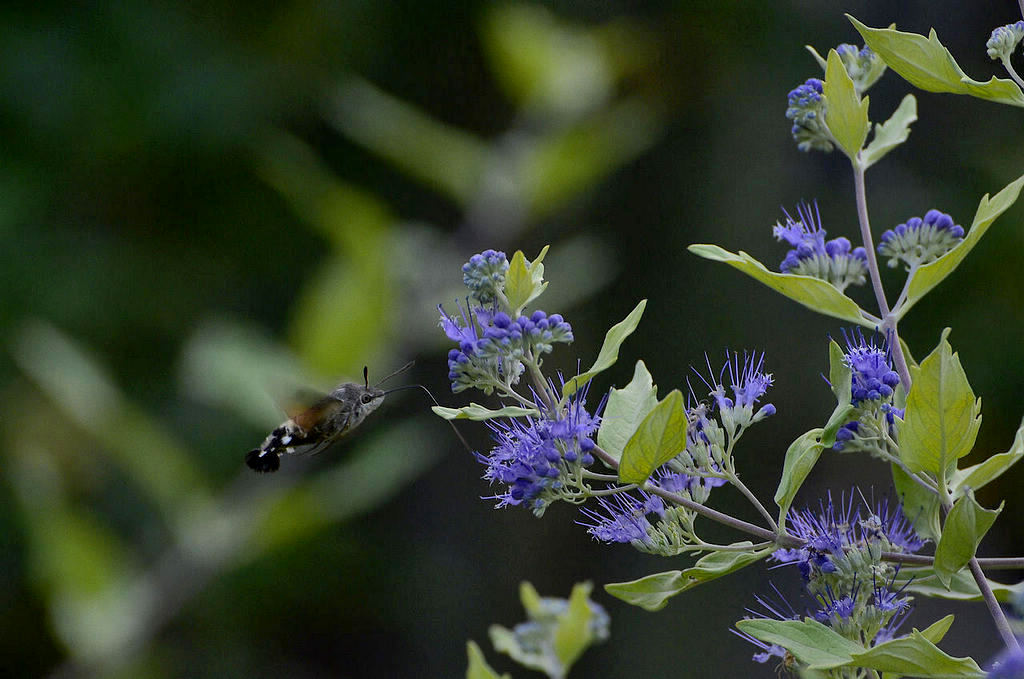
{"points": [[534, 453], [830, 532], [871, 365], [484, 275], [920, 240], [863, 66], [835, 261], [1004, 41], [491, 344], [806, 108]]}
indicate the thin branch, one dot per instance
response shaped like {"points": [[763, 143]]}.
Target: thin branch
{"points": [[990, 563], [734, 479]]}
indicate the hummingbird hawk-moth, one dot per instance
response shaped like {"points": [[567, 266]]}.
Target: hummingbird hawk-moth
{"points": [[315, 428]]}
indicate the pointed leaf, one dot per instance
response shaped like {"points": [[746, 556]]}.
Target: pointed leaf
{"points": [[660, 437], [801, 457], [846, 114], [809, 641], [916, 656], [937, 630], [650, 592], [609, 353], [813, 293], [965, 526], [920, 505], [477, 412], [524, 281], [962, 587], [926, 63], [933, 273], [978, 475], [892, 133], [841, 378], [626, 409], [478, 667], [942, 416], [653, 591]]}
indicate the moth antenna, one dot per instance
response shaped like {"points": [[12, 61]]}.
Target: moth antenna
{"points": [[462, 439], [397, 372], [366, 376]]}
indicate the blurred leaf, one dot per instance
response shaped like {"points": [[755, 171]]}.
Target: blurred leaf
{"points": [[653, 591], [978, 475], [942, 417], [524, 282], [927, 64], [809, 641], [813, 293], [915, 655], [625, 410], [893, 133], [964, 527], [801, 457], [478, 412], [933, 273], [134, 441], [446, 158], [546, 65], [237, 369], [370, 476], [560, 164], [478, 667], [846, 114], [660, 436], [609, 352], [573, 633]]}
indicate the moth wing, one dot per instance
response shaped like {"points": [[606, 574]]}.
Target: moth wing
{"points": [[309, 417]]}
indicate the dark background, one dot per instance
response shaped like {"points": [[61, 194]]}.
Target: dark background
{"points": [[204, 206]]}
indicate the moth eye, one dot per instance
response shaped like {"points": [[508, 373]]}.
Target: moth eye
{"points": [[366, 398]]}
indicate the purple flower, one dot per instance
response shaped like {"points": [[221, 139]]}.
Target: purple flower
{"points": [[920, 240], [835, 261], [871, 364], [806, 108], [484, 275], [1007, 665], [624, 518], [747, 382]]}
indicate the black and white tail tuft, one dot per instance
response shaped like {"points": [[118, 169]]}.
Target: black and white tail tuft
{"points": [[263, 460]]}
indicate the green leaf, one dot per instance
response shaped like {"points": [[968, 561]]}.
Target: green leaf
{"points": [[933, 273], [846, 114], [572, 635], [916, 656], [976, 476], [478, 667], [841, 378], [927, 64], [809, 641], [920, 505], [813, 293], [650, 592], [477, 412], [962, 587], [625, 411], [660, 437], [609, 353], [942, 416], [965, 526], [801, 457], [653, 591], [892, 133], [937, 630], [524, 282]]}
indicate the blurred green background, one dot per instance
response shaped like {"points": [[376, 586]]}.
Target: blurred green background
{"points": [[204, 206]]}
